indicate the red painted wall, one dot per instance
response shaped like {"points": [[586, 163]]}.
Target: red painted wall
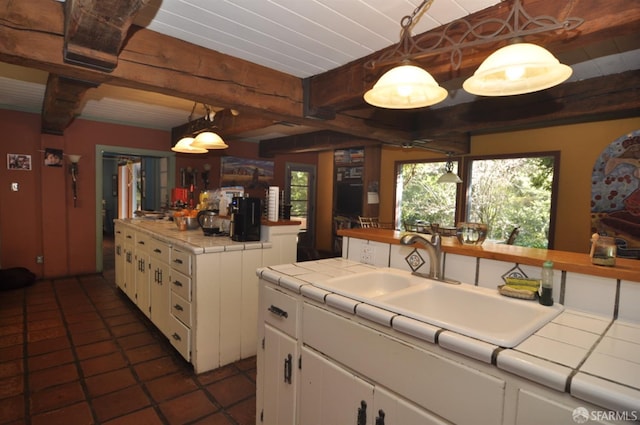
{"points": [[40, 218]]}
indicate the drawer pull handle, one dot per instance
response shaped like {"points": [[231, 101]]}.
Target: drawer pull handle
{"points": [[178, 307], [287, 369], [177, 283], [159, 251], [278, 311], [362, 413], [380, 418], [176, 337], [129, 237], [141, 242], [177, 261]]}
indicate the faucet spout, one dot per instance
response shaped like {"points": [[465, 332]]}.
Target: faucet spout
{"points": [[433, 248]]}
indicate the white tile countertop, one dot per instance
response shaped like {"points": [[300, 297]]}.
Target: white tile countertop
{"points": [[193, 241], [591, 356]]}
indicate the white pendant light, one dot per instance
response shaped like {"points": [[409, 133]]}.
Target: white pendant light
{"points": [[405, 87], [449, 176], [517, 69], [209, 140], [185, 145]]}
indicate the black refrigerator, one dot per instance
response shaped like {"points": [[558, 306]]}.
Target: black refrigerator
{"points": [[246, 214]]}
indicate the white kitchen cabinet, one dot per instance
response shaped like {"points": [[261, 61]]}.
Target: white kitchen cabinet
{"points": [[389, 409], [160, 285], [180, 321], [142, 269], [119, 255], [129, 281], [281, 351], [541, 406], [330, 394]]}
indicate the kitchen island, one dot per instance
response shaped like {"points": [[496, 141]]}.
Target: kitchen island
{"points": [[352, 358], [200, 291]]}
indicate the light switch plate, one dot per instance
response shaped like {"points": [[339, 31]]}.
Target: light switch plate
{"points": [[14, 186]]}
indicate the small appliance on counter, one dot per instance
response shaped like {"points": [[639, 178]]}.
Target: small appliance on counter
{"points": [[245, 219], [209, 222]]}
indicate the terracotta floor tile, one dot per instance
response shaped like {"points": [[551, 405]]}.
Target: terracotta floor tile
{"points": [[171, 386], [46, 378], [86, 326], [81, 317], [124, 309], [11, 386], [128, 329], [57, 397], [187, 408], [106, 363], [220, 418], [47, 346], [44, 315], [8, 310], [11, 409], [246, 364], [118, 403], [48, 305], [146, 352], [111, 381], [11, 368], [121, 319], [11, 328], [90, 337], [217, 374], [12, 353], [46, 334], [96, 349], [10, 340], [147, 416], [136, 340], [77, 414], [244, 412], [55, 358], [232, 390], [156, 368], [37, 325]]}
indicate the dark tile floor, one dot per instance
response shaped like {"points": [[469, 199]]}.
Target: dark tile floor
{"points": [[77, 351]]}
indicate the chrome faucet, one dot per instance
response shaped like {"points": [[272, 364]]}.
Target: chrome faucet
{"points": [[434, 249]]}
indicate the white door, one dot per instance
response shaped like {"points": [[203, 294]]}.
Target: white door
{"points": [[280, 378], [332, 395]]}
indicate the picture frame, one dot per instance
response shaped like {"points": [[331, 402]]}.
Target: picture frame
{"points": [[248, 173], [53, 157], [18, 161]]}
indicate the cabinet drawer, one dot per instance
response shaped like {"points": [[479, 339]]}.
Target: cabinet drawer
{"points": [[280, 310], [129, 235], [180, 337], [181, 284], [143, 240], [159, 250], [181, 308], [181, 261]]}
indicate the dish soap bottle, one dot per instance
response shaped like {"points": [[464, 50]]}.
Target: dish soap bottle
{"points": [[546, 284]]}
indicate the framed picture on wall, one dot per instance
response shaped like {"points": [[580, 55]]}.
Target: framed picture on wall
{"points": [[18, 161], [248, 173], [53, 157]]}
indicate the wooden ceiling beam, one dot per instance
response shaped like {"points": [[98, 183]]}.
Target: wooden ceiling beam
{"points": [[95, 31], [62, 99]]}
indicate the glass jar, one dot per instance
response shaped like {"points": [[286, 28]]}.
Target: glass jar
{"points": [[603, 250]]}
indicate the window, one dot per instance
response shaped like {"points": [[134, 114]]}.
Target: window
{"points": [[300, 194], [503, 192], [420, 198], [509, 192]]}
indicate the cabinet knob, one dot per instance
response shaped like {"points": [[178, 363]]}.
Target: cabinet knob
{"points": [[176, 337]]}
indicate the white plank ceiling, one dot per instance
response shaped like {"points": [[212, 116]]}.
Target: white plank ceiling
{"points": [[298, 37]]}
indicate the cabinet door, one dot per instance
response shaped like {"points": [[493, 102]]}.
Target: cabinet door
{"points": [[389, 409], [332, 395], [142, 281], [160, 288], [280, 378], [119, 257], [129, 282]]}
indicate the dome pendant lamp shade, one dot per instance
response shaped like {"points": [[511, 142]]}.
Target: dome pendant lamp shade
{"points": [[185, 145], [517, 69], [405, 87], [209, 140]]}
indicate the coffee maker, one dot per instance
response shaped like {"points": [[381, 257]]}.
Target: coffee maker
{"points": [[245, 219]]}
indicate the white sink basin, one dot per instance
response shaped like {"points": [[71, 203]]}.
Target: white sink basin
{"points": [[473, 311], [370, 285]]}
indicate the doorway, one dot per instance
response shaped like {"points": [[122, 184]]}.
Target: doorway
{"points": [[145, 177], [300, 193]]}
